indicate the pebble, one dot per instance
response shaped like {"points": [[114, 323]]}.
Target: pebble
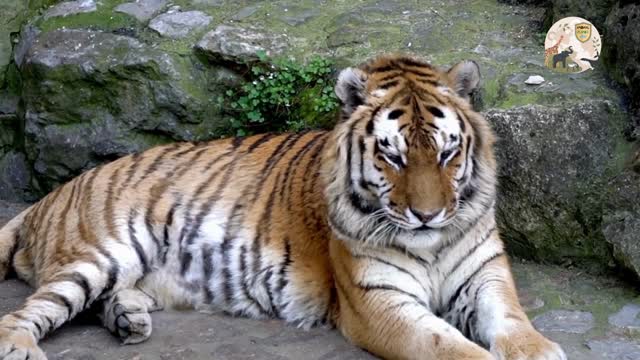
{"points": [[575, 322], [614, 349], [534, 80], [71, 8], [179, 24], [628, 317], [143, 10]]}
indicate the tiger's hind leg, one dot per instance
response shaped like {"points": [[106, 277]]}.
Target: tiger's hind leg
{"points": [[127, 315]]}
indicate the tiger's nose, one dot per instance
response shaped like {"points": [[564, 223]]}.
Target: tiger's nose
{"points": [[426, 217]]}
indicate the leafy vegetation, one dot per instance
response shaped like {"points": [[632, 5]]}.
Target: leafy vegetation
{"points": [[282, 94]]}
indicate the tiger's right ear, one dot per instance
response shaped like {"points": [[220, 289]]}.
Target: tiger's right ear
{"points": [[350, 89]]}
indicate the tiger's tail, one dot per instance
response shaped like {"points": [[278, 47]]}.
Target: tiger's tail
{"points": [[9, 235]]}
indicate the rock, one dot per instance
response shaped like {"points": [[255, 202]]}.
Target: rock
{"points": [[179, 24], [575, 322], [71, 8], [15, 177], [99, 96], [614, 349], [555, 164], [534, 80], [245, 12], [594, 11], [11, 18], [8, 210], [621, 52], [27, 37], [627, 317], [240, 45], [8, 103], [296, 15], [143, 10], [621, 220]]}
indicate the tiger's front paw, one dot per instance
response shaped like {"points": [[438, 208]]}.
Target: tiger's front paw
{"points": [[19, 345], [526, 345]]}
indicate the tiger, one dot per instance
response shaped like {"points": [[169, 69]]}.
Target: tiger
{"points": [[383, 227]]}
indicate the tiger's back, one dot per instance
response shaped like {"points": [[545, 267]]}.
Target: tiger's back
{"points": [[228, 224]]}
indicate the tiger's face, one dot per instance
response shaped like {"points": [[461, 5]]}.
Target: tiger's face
{"points": [[410, 140]]}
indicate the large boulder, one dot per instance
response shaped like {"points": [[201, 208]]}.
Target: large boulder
{"points": [[557, 164], [92, 96]]}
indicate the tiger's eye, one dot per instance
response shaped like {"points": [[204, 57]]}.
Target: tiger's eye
{"points": [[395, 114]]}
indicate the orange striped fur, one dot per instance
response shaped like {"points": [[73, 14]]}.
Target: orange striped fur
{"points": [[383, 227]]}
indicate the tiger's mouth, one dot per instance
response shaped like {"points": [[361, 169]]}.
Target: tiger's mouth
{"points": [[408, 222]]}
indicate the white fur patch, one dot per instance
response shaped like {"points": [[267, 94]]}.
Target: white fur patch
{"points": [[389, 130], [448, 125]]}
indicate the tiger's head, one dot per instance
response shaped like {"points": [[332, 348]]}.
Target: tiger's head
{"points": [[410, 158]]}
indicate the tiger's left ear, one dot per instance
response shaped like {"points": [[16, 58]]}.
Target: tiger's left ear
{"points": [[464, 77], [350, 89]]}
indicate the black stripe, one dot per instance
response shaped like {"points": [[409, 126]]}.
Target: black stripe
{"points": [[58, 299], [244, 283], [386, 287], [263, 232], [291, 168], [226, 271], [461, 119], [131, 171], [80, 280], [370, 123], [381, 69], [185, 262], [226, 170], [427, 80], [113, 272], [413, 62], [408, 253], [281, 150], [136, 244], [469, 253], [467, 282], [39, 327], [360, 204], [362, 147], [50, 322], [393, 75], [167, 225], [385, 262], [388, 84], [286, 262], [187, 234], [156, 162], [267, 286], [109, 203], [207, 271], [263, 139]]}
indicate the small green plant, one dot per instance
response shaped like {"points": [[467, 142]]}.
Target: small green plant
{"points": [[282, 95]]}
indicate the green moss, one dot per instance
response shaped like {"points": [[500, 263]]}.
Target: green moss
{"points": [[104, 19], [94, 21], [561, 289]]}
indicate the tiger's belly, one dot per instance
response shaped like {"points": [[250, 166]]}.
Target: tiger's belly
{"points": [[240, 275]]}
